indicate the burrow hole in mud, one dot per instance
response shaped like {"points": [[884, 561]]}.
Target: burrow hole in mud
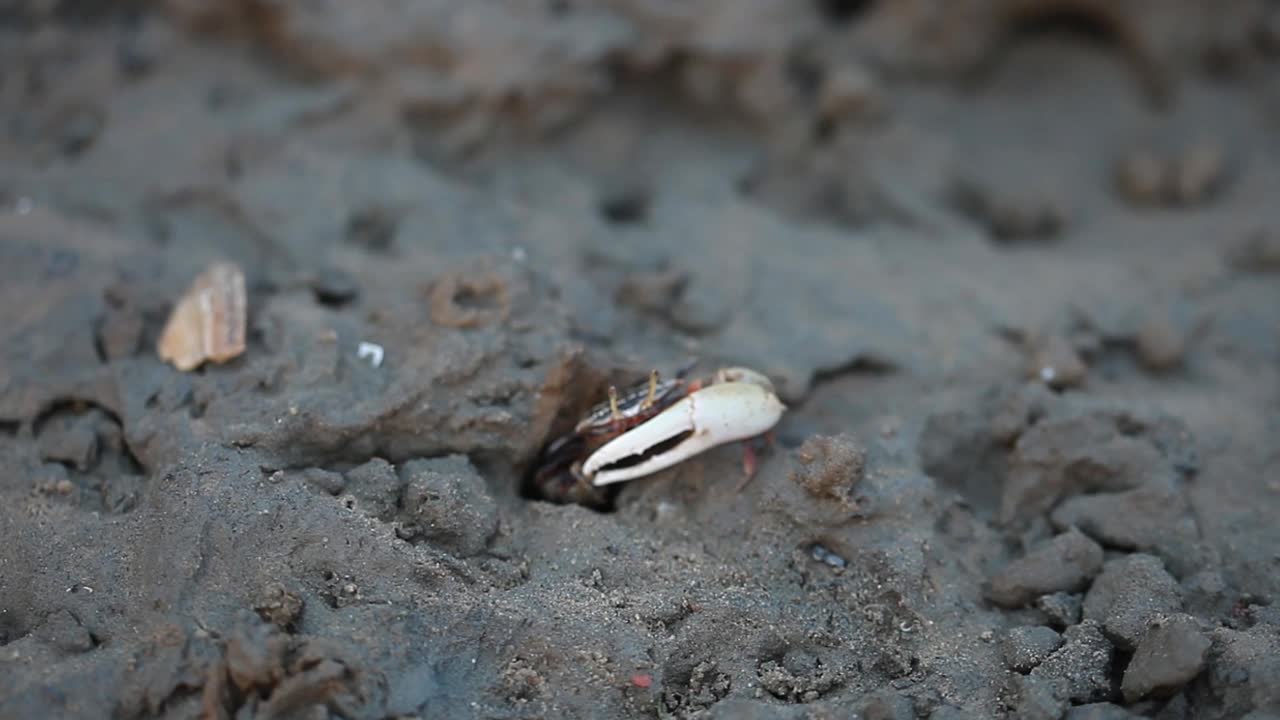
{"points": [[627, 207], [470, 296], [842, 12], [373, 229], [1093, 27], [69, 408], [9, 428]]}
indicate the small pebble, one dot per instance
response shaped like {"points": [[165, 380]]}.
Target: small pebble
{"points": [[850, 92], [1055, 362], [1160, 343], [823, 555], [1140, 178]]}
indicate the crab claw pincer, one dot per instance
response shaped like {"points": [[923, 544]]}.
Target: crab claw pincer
{"points": [[738, 408]]}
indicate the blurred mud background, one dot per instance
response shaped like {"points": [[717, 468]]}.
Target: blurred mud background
{"points": [[1014, 265]]}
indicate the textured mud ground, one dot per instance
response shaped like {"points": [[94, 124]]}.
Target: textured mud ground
{"points": [[1014, 265]]}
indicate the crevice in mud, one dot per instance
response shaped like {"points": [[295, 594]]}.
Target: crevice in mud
{"points": [[98, 469], [628, 207], [843, 12], [866, 364], [373, 229], [99, 343], [1119, 663], [862, 365], [561, 487], [10, 428]]}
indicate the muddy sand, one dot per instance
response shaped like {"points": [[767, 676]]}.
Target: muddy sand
{"points": [[1013, 265]]}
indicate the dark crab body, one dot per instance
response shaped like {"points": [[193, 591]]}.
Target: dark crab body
{"points": [[558, 472], [626, 409]]}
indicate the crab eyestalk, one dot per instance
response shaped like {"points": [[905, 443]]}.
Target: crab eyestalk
{"points": [[738, 405]]}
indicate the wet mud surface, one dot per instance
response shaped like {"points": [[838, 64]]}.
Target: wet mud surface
{"points": [[1014, 266]]}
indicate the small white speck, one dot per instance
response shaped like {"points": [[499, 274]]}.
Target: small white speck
{"points": [[518, 254], [23, 205], [372, 352], [1047, 373]]}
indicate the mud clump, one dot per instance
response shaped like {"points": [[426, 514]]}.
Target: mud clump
{"points": [[1131, 592], [1013, 215], [278, 606], [831, 468], [1054, 360], [1064, 564], [1080, 670], [706, 687], [1026, 647], [1094, 452], [255, 656], [1170, 655], [61, 630], [1160, 343], [798, 678], [375, 486], [446, 503]]}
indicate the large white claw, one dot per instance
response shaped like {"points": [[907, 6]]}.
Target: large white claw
{"points": [[715, 415]]}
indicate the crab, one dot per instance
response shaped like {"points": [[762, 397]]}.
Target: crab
{"points": [[735, 404], [657, 424]]}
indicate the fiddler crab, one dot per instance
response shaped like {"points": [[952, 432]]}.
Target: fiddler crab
{"points": [[658, 423]]}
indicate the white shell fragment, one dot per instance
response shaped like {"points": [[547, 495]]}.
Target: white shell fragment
{"points": [[372, 352], [721, 413], [208, 323]]}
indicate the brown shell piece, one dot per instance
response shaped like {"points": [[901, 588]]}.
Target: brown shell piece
{"points": [[208, 323]]}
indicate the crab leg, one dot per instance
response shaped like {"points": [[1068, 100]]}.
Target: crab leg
{"points": [[714, 415]]}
